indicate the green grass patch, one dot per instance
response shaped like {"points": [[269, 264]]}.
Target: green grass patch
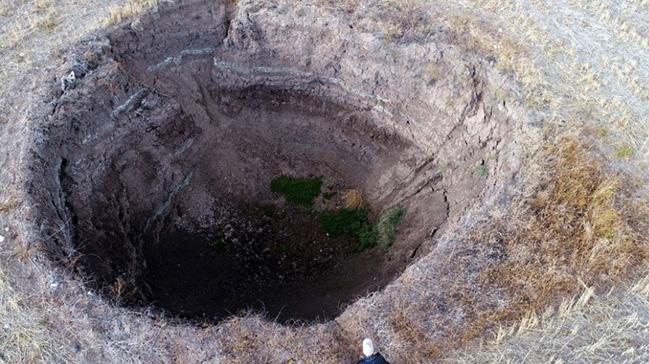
{"points": [[297, 190], [368, 236], [481, 170], [386, 225], [344, 222], [354, 223]]}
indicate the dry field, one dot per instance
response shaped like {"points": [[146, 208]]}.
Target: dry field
{"points": [[571, 282]]}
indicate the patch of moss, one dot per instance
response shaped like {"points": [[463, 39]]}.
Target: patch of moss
{"points": [[297, 190], [344, 222]]}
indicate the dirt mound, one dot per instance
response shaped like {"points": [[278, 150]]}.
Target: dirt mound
{"points": [[157, 163]]}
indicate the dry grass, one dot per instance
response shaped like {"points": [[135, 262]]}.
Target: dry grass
{"points": [[574, 211], [574, 227], [46, 22], [44, 16], [9, 204], [611, 327], [4, 9], [32, 32], [23, 337], [409, 331], [579, 60], [353, 199], [129, 9]]}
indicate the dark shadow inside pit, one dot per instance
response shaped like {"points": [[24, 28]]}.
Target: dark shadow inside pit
{"points": [[281, 264]]}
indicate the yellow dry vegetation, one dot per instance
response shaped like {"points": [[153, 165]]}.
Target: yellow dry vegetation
{"points": [[22, 335], [353, 199], [609, 327], [130, 8], [9, 204], [573, 228]]}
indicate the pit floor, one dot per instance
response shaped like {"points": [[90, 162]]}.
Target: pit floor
{"points": [[286, 267]]}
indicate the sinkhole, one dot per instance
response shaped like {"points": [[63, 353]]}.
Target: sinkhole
{"points": [[186, 170]]}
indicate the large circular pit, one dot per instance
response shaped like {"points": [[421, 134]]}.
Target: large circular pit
{"points": [[205, 167]]}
